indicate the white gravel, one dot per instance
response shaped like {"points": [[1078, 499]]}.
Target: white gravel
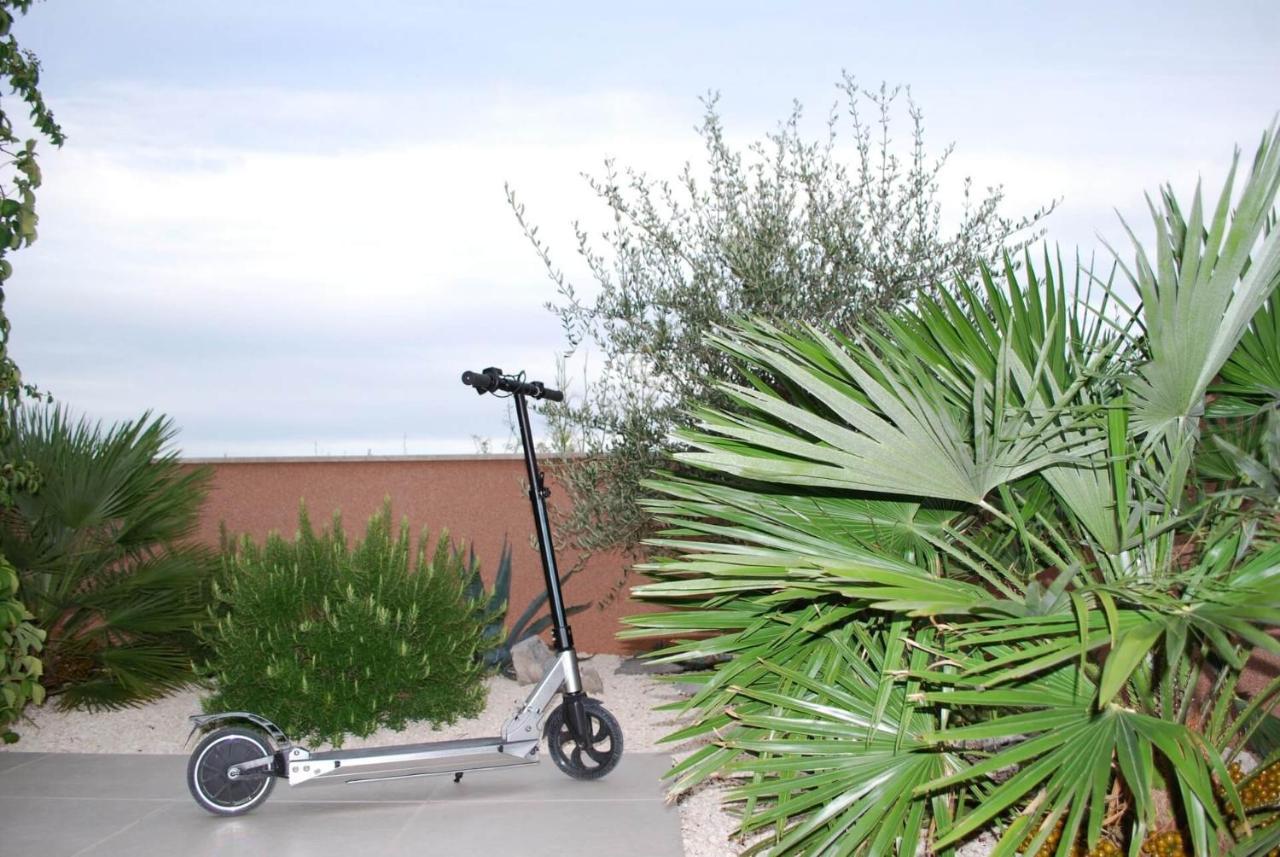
{"points": [[162, 727]]}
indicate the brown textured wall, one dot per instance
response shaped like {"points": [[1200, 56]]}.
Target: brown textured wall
{"points": [[480, 499]]}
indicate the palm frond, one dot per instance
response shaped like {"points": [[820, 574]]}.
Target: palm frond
{"points": [[1250, 379], [102, 549], [1209, 280]]}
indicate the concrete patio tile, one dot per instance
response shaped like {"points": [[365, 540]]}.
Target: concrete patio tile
{"points": [[54, 827], [87, 805], [92, 775], [10, 759], [533, 828], [637, 777], [413, 791], [182, 828], [530, 828]]}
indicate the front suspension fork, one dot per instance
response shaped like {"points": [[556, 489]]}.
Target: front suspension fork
{"points": [[575, 716]]}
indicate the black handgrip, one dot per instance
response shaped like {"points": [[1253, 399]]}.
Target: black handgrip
{"points": [[547, 393], [484, 382]]}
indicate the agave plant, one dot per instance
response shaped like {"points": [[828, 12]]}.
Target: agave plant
{"points": [[493, 640], [965, 573], [498, 639], [100, 552]]}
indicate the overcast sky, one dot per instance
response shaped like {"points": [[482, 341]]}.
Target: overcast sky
{"points": [[282, 222]]}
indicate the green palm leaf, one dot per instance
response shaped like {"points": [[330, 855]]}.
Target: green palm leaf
{"points": [[1209, 280], [891, 428], [1250, 379], [825, 757]]}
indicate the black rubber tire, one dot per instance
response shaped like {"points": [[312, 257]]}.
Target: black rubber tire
{"points": [[585, 762], [213, 790]]}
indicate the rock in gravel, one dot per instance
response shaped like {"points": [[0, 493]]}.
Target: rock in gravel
{"points": [[591, 681], [531, 658], [641, 666]]}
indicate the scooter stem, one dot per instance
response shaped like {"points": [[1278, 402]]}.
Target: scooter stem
{"points": [[561, 634]]}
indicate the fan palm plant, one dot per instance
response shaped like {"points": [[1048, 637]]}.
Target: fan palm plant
{"points": [[964, 577], [101, 555]]}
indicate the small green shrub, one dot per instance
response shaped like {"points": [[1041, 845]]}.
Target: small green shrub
{"points": [[20, 644], [328, 641]]}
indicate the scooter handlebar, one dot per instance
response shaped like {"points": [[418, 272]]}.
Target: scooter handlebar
{"points": [[482, 381], [549, 394], [492, 380]]}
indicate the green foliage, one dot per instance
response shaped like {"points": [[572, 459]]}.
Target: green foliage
{"points": [[494, 646], [103, 554], [969, 584], [787, 231], [1244, 458], [20, 71], [20, 644], [500, 639], [1250, 380], [329, 641]]}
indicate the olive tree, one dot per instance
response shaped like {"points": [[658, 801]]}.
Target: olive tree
{"points": [[828, 230]]}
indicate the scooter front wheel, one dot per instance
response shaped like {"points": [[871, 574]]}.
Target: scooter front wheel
{"points": [[592, 759], [209, 777]]}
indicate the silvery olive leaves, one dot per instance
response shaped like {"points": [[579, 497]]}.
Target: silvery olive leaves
{"points": [[987, 565]]}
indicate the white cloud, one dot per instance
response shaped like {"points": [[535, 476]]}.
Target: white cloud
{"points": [[268, 297], [290, 271], [389, 220]]}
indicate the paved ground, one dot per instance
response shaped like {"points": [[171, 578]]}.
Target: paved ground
{"points": [[70, 804]]}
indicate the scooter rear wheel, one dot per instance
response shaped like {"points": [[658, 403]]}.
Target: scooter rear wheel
{"points": [[594, 758], [207, 772]]}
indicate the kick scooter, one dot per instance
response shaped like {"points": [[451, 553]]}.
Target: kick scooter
{"points": [[235, 767]]}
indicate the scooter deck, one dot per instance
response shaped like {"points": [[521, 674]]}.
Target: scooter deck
{"points": [[412, 760]]}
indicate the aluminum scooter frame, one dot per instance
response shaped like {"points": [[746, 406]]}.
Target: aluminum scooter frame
{"points": [[518, 743], [516, 746]]}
